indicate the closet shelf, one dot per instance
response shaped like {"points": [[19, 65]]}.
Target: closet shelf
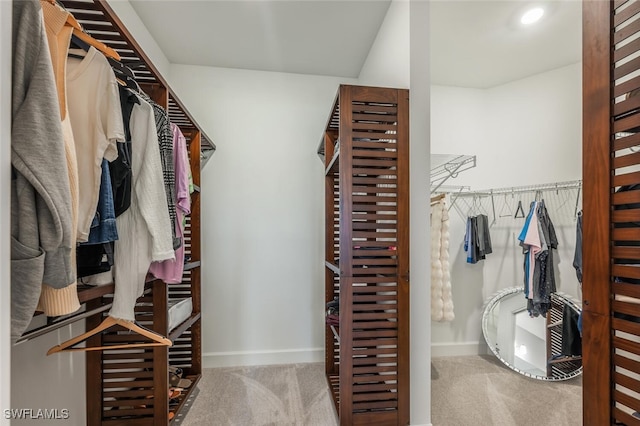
{"points": [[554, 324], [192, 265], [334, 386], [87, 292], [181, 409], [332, 128], [565, 359], [332, 266], [177, 332], [336, 332], [445, 166], [333, 164]]}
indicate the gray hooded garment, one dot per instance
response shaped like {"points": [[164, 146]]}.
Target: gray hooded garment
{"points": [[41, 227]]}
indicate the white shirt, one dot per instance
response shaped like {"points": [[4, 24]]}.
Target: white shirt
{"points": [[145, 228], [96, 119]]}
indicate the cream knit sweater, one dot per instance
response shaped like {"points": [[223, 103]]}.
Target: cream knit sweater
{"points": [[441, 297]]}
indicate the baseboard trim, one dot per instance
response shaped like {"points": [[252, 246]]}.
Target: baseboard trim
{"points": [[458, 349], [266, 357]]}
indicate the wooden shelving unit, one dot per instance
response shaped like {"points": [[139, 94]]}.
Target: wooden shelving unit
{"points": [[367, 254], [130, 386]]}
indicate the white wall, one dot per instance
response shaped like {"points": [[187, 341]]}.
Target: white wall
{"points": [[262, 212], [5, 194], [420, 209], [52, 382], [523, 133], [388, 62]]}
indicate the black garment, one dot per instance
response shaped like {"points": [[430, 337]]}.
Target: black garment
{"points": [[571, 340], [577, 256], [94, 258], [473, 240], [483, 239], [120, 168]]}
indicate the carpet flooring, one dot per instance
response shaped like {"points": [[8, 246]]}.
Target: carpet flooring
{"points": [[470, 390], [479, 390], [280, 395]]}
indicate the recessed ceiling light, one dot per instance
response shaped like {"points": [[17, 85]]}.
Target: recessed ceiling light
{"points": [[532, 15]]}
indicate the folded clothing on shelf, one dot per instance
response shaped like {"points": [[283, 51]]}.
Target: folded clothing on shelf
{"points": [[179, 311], [333, 319], [333, 307]]}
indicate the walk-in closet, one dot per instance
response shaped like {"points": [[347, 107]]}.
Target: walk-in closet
{"points": [[249, 345], [325, 213]]}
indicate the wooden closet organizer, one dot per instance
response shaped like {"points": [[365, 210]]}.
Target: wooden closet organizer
{"points": [[611, 217], [367, 254], [130, 386]]}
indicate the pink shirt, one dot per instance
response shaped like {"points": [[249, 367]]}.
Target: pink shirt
{"points": [[170, 271]]}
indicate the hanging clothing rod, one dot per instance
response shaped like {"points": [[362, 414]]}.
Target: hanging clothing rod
{"points": [[60, 323], [575, 184]]}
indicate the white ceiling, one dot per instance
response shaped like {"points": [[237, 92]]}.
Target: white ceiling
{"points": [[482, 43], [304, 36], [473, 44]]}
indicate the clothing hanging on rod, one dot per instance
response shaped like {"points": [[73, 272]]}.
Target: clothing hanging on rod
{"points": [[519, 213], [577, 256], [42, 225], [441, 295], [170, 271], [538, 240], [55, 301], [477, 240], [84, 129]]}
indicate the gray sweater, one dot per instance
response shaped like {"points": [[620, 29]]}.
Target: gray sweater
{"points": [[41, 228]]}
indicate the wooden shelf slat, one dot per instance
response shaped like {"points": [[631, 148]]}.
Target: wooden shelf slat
{"points": [[94, 292]]}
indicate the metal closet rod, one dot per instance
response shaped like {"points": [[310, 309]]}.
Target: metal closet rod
{"points": [[574, 184], [56, 324]]}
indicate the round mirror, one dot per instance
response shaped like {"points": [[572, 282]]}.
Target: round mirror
{"points": [[544, 347]]}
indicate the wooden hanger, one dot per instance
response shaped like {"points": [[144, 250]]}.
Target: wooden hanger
{"points": [[157, 340], [78, 31], [106, 50]]}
